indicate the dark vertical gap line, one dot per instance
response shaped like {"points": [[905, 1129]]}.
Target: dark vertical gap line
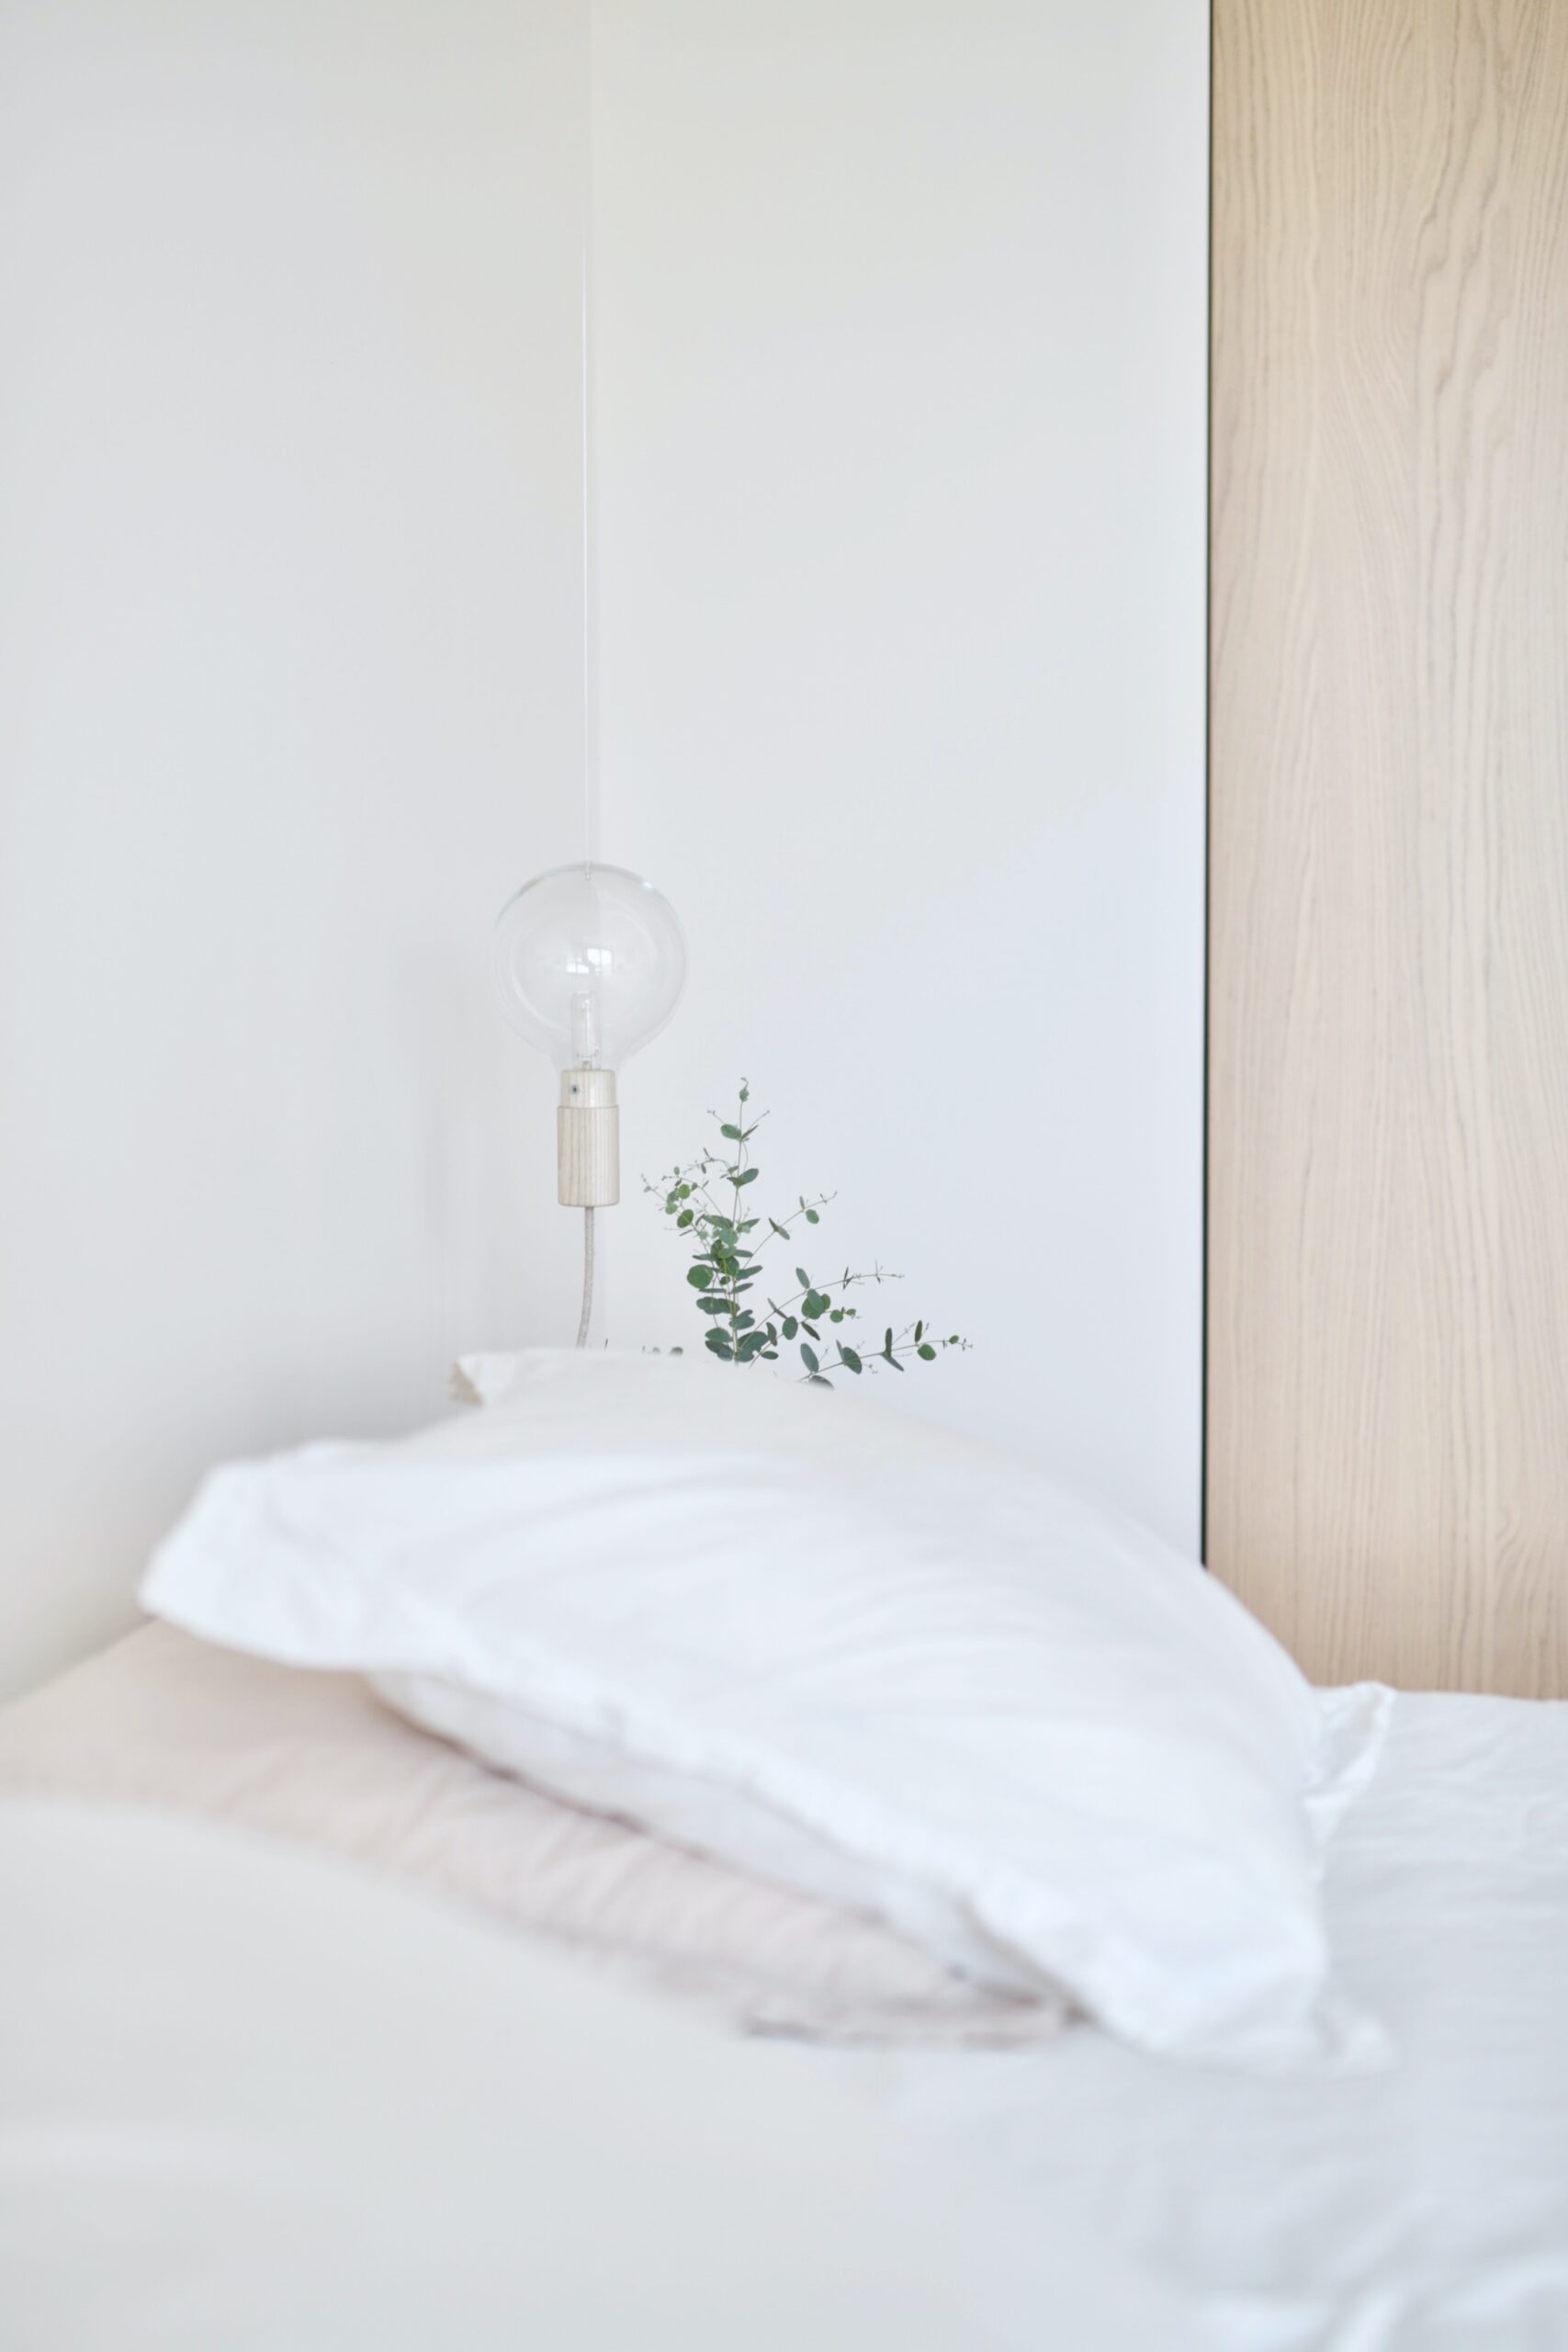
{"points": [[1204, 1245]]}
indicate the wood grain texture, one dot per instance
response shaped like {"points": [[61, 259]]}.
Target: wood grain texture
{"points": [[1387, 1451]]}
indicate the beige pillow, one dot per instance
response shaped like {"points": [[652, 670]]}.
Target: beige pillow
{"points": [[164, 1719]]}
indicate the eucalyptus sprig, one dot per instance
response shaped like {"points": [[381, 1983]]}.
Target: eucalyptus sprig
{"points": [[706, 1201]]}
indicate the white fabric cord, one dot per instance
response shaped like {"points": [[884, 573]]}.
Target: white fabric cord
{"points": [[590, 565], [586, 1315], [589, 472]]}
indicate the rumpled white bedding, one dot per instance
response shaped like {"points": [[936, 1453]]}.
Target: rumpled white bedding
{"points": [[1423, 2208], [253, 2100]]}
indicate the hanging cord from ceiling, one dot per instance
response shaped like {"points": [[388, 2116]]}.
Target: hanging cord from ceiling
{"points": [[590, 561], [590, 424]]}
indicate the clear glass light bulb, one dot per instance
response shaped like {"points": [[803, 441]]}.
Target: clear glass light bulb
{"points": [[589, 963]]}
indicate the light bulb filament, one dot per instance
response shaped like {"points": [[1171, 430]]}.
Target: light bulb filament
{"points": [[585, 1028]]}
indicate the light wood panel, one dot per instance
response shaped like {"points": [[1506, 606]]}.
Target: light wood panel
{"points": [[1387, 1453]]}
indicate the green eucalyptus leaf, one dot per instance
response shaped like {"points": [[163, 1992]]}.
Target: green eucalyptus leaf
{"points": [[726, 1268]]}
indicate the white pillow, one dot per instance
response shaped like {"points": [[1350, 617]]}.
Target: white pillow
{"points": [[828, 1641]]}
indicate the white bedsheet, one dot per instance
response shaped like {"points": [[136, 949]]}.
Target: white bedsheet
{"points": [[253, 2100], [1424, 2208]]}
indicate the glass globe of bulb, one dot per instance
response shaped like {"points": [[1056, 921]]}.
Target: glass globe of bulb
{"points": [[589, 963]]}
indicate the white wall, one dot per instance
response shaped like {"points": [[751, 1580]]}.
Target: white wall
{"points": [[901, 315], [288, 579], [902, 403]]}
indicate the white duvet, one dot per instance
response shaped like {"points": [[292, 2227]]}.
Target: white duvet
{"points": [[254, 2100]]}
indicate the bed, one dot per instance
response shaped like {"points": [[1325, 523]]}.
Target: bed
{"points": [[1091, 2194]]}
